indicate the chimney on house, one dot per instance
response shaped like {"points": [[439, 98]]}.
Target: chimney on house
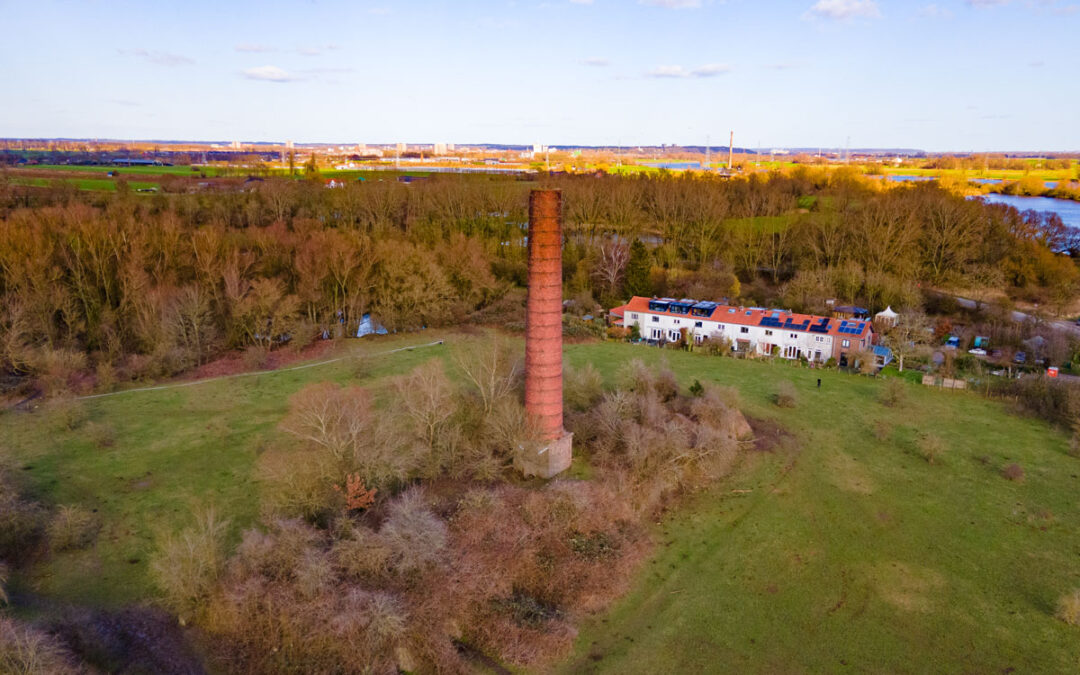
{"points": [[550, 453]]}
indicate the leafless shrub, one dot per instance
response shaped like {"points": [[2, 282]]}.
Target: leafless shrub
{"points": [[3, 584], [72, 528], [426, 396], [582, 387], [882, 430], [278, 552], [360, 554], [340, 421], [1013, 472], [55, 369], [25, 650], [649, 448], [1068, 609], [893, 394], [297, 484], [786, 396], [931, 448], [186, 566], [415, 536], [525, 559], [492, 368], [638, 378], [66, 414]]}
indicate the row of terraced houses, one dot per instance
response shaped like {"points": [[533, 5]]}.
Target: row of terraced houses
{"points": [[750, 329]]}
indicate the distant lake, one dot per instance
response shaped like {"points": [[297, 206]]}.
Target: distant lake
{"points": [[677, 166], [1067, 209], [987, 181]]}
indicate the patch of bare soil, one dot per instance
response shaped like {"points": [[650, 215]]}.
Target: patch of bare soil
{"points": [[131, 640], [769, 436]]}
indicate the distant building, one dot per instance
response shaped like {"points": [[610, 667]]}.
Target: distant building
{"points": [[439, 149], [748, 329]]}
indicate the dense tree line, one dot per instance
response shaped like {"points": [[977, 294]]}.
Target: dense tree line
{"points": [[153, 285]]}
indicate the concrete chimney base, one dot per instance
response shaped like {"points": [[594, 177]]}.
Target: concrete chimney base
{"points": [[545, 459]]}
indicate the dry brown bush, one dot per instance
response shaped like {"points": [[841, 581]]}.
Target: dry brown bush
{"points": [[340, 421], [415, 536], [786, 396], [582, 387], [25, 650], [298, 484], [528, 561], [3, 583], [187, 565], [894, 393], [649, 449], [1068, 609], [71, 528], [1013, 472], [931, 448]]}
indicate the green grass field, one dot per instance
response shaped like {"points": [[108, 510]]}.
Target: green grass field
{"points": [[1002, 174], [182, 170], [840, 548], [92, 184], [844, 552]]}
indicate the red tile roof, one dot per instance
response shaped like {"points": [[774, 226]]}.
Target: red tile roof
{"points": [[745, 316]]}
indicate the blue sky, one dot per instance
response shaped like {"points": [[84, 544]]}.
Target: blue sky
{"points": [[943, 75]]}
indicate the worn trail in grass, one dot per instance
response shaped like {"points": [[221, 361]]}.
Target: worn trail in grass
{"points": [[845, 549]]}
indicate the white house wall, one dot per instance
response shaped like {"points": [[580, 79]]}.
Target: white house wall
{"points": [[791, 343]]}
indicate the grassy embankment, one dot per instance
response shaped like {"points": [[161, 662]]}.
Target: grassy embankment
{"points": [[840, 546]]}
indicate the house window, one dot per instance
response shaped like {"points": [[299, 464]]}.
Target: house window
{"points": [[656, 319], [845, 343], [656, 333], [768, 332], [633, 317], [676, 321], [697, 324], [793, 336], [675, 335], [744, 329]]}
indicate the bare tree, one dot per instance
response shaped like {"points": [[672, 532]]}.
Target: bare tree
{"points": [[610, 267], [491, 367], [908, 338]]}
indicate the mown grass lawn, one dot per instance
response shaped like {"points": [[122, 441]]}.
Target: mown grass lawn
{"points": [[838, 551]]}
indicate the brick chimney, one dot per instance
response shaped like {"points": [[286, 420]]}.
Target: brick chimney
{"points": [[550, 453]]}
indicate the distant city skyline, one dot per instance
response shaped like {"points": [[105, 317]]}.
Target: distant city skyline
{"points": [[953, 75]]}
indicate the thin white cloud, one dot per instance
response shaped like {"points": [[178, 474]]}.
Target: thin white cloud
{"points": [[254, 48], [159, 58], [672, 4], [674, 72], [596, 62], [581, 2], [668, 71], [710, 70], [269, 74], [843, 10], [935, 12]]}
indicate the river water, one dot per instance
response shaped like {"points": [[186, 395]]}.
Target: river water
{"points": [[1068, 210]]}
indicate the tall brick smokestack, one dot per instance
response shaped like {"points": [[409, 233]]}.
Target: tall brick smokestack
{"points": [[543, 339]]}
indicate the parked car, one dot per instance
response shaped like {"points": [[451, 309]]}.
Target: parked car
{"points": [[978, 351]]}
